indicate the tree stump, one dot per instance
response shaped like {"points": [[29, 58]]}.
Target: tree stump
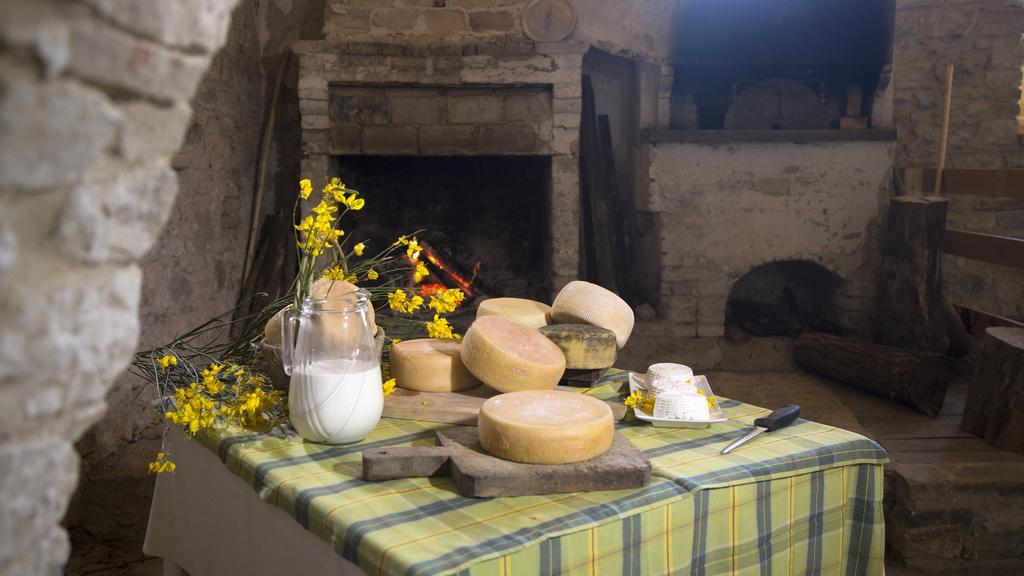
{"points": [[909, 311], [995, 400], [918, 379]]}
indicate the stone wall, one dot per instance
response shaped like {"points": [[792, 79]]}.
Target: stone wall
{"points": [[726, 207], [638, 28], [192, 273], [94, 99], [982, 39]]}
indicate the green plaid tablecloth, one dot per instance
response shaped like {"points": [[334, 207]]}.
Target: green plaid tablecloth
{"points": [[805, 499]]}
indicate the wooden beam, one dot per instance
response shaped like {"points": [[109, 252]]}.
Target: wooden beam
{"points": [[977, 320], [998, 183], [1001, 250]]}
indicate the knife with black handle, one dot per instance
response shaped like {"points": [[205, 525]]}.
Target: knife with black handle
{"points": [[779, 419]]}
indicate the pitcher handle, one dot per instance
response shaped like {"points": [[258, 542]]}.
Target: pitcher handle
{"points": [[289, 330]]}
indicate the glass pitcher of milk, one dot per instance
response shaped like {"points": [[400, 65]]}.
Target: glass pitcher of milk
{"points": [[335, 394]]}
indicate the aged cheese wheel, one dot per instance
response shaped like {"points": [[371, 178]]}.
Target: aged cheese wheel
{"points": [[545, 427], [508, 356], [585, 303], [526, 312], [322, 288], [430, 365], [585, 346]]}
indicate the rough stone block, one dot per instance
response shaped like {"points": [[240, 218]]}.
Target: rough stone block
{"points": [[390, 140], [444, 20], [346, 138], [308, 106], [372, 108], [35, 117], [116, 213], [507, 139], [481, 109], [189, 24], [316, 141], [315, 122], [112, 57], [149, 131], [312, 86], [394, 19], [448, 140], [534, 107], [491, 21], [341, 19], [425, 109]]}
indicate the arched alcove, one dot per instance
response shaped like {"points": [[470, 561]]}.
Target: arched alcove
{"points": [[784, 298]]}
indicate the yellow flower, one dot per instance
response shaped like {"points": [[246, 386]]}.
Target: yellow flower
{"points": [[440, 328], [414, 249], [333, 272], [305, 188], [356, 203], [420, 272], [372, 274], [397, 300], [637, 400], [161, 464], [446, 301], [335, 190], [402, 240], [323, 208], [358, 249], [389, 386], [415, 303], [166, 361], [351, 278]]}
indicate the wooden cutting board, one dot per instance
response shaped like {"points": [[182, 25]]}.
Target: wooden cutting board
{"points": [[453, 407], [478, 474]]}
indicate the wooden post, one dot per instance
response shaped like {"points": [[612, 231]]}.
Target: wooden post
{"points": [[995, 400], [918, 379], [909, 311], [947, 99]]}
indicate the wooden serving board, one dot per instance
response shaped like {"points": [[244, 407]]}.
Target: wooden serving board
{"points": [[454, 407], [478, 474]]}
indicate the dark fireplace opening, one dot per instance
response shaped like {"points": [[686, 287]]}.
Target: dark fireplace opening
{"points": [[484, 216], [782, 298]]}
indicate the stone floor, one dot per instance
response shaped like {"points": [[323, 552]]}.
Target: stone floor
{"points": [[954, 504]]}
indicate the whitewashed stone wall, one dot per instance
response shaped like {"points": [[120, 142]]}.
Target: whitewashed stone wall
{"points": [[93, 102], [728, 207], [983, 40]]}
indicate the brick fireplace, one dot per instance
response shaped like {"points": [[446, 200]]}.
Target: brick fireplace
{"points": [[501, 99]]}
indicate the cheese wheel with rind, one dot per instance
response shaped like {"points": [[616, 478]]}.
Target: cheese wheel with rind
{"points": [[585, 346], [526, 312], [508, 356], [430, 365], [545, 427], [580, 302]]}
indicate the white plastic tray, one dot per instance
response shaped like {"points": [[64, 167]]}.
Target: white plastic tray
{"points": [[639, 382]]}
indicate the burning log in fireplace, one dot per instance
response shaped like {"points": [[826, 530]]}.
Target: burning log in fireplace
{"points": [[446, 272]]}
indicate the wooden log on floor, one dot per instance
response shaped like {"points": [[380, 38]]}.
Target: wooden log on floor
{"points": [[909, 308], [995, 400], [917, 379]]}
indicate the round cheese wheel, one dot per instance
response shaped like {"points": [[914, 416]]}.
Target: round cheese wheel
{"points": [[545, 427], [526, 312], [430, 365], [581, 302], [508, 356], [586, 347], [322, 288]]}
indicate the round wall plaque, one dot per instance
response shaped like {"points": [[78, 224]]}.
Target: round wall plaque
{"points": [[549, 20]]}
